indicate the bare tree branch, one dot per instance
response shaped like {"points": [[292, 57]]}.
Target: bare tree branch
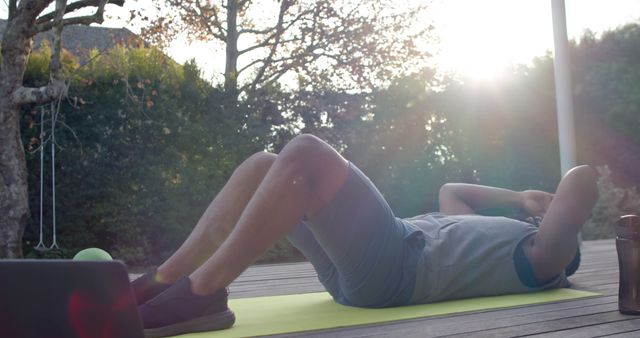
{"points": [[74, 6], [220, 34], [265, 44], [55, 66], [267, 30], [290, 58], [255, 31], [274, 29], [40, 95], [262, 44], [284, 6], [97, 17], [202, 18], [326, 40], [273, 78], [31, 8], [13, 5], [216, 23], [251, 64]]}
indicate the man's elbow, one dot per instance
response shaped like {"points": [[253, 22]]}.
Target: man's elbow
{"points": [[447, 197], [448, 189], [450, 201]]}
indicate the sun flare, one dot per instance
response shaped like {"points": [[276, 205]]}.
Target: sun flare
{"points": [[480, 39]]}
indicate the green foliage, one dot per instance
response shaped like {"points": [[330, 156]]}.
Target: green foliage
{"points": [[140, 155], [407, 146], [614, 202], [607, 93], [37, 72]]}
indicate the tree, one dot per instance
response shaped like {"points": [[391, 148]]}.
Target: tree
{"points": [[26, 18], [143, 147], [614, 202], [338, 43], [607, 92]]}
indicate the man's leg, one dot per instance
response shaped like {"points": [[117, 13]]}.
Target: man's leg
{"points": [[305, 176], [219, 219], [305, 241], [555, 244], [373, 253]]}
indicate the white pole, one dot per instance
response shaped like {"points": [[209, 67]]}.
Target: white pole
{"points": [[564, 94], [564, 98]]}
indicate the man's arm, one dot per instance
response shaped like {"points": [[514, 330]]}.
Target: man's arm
{"points": [[460, 199]]}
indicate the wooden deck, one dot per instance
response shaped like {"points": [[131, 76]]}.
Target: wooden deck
{"points": [[593, 317]]}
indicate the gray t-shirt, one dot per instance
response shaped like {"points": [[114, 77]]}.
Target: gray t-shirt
{"points": [[470, 256]]}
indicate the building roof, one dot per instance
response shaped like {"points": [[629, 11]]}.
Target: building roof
{"points": [[81, 39]]}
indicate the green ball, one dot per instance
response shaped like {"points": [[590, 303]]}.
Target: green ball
{"points": [[92, 254]]}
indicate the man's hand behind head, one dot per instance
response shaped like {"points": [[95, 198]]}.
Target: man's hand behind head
{"points": [[535, 202]]}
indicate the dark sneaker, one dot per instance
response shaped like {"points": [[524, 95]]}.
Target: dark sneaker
{"points": [[178, 310], [147, 287]]}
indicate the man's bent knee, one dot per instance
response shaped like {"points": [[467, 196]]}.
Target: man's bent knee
{"points": [[259, 163], [303, 146], [308, 153], [585, 177], [315, 161]]}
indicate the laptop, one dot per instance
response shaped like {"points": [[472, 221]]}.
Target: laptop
{"points": [[67, 299]]}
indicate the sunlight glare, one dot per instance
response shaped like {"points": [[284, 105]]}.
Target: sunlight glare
{"points": [[480, 39]]}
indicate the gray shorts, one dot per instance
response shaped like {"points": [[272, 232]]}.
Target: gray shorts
{"points": [[363, 255]]}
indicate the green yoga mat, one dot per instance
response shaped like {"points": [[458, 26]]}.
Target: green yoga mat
{"points": [[313, 311]]}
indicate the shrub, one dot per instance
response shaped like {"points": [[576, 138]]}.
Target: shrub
{"points": [[614, 202]]}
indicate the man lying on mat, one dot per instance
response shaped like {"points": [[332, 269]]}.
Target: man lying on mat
{"points": [[363, 255]]}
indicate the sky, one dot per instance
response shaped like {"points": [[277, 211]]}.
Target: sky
{"points": [[482, 37], [476, 38]]}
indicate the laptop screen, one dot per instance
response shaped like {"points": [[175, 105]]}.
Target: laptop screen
{"points": [[64, 298]]}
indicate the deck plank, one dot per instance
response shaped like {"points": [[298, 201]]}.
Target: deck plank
{"points": [[590, 317], [598, 330]]}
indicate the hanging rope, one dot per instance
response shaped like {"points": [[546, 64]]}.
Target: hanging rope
{"points": [[52, 138], [41, 246], [54, 117]]}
